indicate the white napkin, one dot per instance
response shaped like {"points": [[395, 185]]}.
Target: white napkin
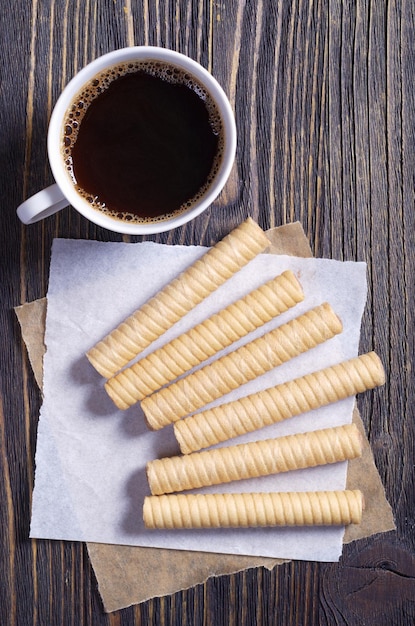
{"points": [[90, 477]]}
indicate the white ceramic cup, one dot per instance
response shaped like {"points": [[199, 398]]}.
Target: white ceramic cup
{"points": [[63, 192]]}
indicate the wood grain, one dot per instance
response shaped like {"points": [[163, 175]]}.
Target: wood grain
{"points": [[325, 107]]}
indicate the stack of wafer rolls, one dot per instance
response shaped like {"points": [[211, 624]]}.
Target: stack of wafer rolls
{"points": [[175, 300], [168, 399], [213, 381], [254, 459], [230, 510], [278, 403], [205, 340]]}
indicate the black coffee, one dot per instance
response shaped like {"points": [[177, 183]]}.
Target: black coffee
{"points": [[143, 141]]}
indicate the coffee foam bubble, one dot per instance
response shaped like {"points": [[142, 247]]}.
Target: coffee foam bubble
{"points": [[96, 86]]}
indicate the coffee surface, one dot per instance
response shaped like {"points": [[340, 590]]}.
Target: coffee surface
{"points": [[142, 142]]}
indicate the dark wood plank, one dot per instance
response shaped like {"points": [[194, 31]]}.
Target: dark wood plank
{"points": [[325, 107]]}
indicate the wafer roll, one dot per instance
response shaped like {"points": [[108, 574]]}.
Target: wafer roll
{"points": [[213, 381], [177, 298], [204, 340], [254, 459], [279, 403], [241, 510]]}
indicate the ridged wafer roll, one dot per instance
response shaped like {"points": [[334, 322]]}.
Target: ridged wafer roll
{"points": [[279, 403], [204, 340], [177, 298], [242, 510], [254, 459], [213, 381]]}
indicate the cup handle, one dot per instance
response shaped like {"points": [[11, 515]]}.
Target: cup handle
{"points": [[41, 205]]}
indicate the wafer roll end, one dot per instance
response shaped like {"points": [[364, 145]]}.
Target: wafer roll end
{"points": [[334, 322], [118, 392], [100, 361], [375, 368], [251, 227], [110, 354], [157, 414]]}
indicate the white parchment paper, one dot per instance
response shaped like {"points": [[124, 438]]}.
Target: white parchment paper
{"points": [[90, 461]]}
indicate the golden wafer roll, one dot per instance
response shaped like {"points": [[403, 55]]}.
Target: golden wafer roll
{"points": [[254, 459], [279, 403], [177, 298], [204, 340], [241, 510], [213, 381]]}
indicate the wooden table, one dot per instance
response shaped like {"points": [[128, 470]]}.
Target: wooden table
{"points": [[324, 101]]}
